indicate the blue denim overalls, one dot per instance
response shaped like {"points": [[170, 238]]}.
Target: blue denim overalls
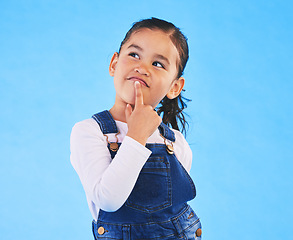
{"points": [[157, 206]]}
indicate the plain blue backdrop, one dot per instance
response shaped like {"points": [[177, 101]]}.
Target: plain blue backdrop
{"points": [[54, 58]]}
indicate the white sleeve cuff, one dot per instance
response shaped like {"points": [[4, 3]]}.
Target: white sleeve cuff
{"points": [[134, 152]]}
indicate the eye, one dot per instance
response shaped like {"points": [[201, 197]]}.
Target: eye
{"points": [[133, 54], [158, 64]]}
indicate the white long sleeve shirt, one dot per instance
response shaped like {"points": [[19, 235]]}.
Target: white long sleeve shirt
{"points": [[106, 182]]}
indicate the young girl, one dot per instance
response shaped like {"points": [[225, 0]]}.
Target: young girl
{"points": [[133, 167]]}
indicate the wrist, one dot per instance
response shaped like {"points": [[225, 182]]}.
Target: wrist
{"points": [[140, 139]]}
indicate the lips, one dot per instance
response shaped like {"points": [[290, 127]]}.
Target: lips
{"points": [[143, 82]]}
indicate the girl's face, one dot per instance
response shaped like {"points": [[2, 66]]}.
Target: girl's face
{"points": [[150, 57]]}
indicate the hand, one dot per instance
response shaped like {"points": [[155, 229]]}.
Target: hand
{"points": [[142, 120]]}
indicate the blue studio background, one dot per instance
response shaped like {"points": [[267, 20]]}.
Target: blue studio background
{"points": [[54, 58]]}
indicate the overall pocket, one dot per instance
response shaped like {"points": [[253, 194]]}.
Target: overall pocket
{"points": [[193, 231], [152, 191]]}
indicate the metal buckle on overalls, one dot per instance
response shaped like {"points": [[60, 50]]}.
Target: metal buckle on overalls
{"points": [[169, 147], [113, 145]]}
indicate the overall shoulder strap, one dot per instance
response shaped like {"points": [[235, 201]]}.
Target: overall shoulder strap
{"points": [[106, 122], [108, 125], [166, 132]]}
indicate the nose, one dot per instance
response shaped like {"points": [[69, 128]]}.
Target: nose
{"points": [[142, 70]]}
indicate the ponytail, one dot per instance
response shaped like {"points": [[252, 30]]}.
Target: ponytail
{"points": [[172, 110]]}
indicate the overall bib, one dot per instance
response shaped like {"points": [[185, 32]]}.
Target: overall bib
{"points": [[157, 206]]}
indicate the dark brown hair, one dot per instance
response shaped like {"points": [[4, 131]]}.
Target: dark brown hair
{"points": [[172, 109]]}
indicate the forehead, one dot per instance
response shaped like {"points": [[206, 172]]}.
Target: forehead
{"points": [[154, 41]]}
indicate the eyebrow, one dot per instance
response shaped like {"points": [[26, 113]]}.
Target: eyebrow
{"points": [[157, 55], [162, 58], [135, 46]]}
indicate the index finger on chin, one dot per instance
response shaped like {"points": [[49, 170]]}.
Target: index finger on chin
{"points": [[138, 94]]}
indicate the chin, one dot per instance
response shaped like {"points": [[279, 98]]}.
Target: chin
{"points": [[129, 100]]}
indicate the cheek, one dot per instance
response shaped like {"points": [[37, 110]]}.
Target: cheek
{"points": [[121, 66], [164, 85], [125, 63]]}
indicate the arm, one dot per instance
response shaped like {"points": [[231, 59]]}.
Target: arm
{"points": [[107, 182]]}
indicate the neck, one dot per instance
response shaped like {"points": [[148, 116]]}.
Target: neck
{"points": [[118, 111]]}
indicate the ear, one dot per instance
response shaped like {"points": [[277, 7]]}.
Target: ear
{"points": [[176, 88], [113, 63]]}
